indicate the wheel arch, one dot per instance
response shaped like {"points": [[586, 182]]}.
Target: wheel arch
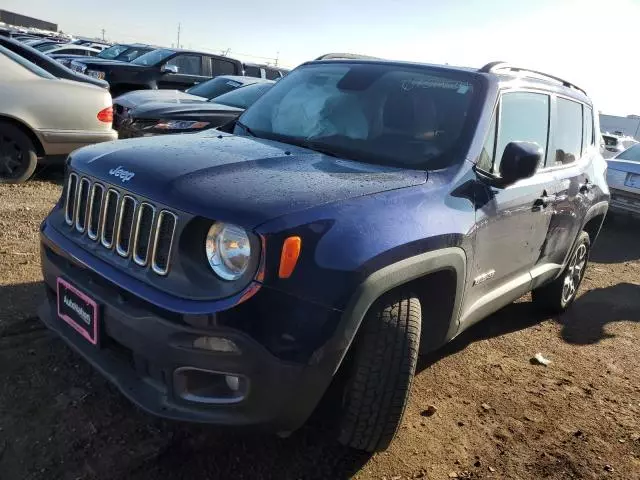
{"points": [[27, 130], [594, 219]]}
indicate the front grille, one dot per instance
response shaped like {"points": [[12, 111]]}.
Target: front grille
{"points": [[118, 220]]}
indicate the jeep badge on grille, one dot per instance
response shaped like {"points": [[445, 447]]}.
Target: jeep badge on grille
{"points": [[122, 174]]}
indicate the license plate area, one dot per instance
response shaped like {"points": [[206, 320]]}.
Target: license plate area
{"points": [[78, 310]]}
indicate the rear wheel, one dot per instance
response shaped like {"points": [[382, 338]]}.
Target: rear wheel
{"points": [[384, 363], [18, 157], [558, 295]]}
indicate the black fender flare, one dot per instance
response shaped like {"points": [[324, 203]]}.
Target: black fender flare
{"points": [[326, 361]]}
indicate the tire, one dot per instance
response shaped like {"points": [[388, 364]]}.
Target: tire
{"points": [[384, 363], [558, 295], [18, 157]]}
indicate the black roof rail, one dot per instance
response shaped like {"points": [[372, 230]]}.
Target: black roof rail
{"points": [[345, 56], [492, 67]]}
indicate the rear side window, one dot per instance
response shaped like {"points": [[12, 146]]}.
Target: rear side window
{"points": [[223, 67], [568, 132], [272, 74], [524, 117], [587, 139], [252, 72]]}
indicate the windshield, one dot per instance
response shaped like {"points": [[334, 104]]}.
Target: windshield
{"points": [[632, 154], [45, 47], [154, 57], [398, 115], [214, 87], [112, 52], [243, 97]]}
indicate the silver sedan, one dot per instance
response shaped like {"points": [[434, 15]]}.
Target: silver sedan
{"points": [[623, 177]]}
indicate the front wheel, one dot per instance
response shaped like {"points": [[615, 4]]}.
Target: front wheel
{"points": [[18, 157], [558, 295], [378, 385]]}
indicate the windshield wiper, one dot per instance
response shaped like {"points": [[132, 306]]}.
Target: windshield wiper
{"points": [[245, 128]]}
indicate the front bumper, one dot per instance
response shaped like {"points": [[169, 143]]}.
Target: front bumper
{"points": [[623, 201], [142, 348]]}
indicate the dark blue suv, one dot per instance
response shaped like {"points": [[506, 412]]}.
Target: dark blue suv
{"points": [[360, 213]]}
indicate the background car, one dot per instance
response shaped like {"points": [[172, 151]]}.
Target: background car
{"points": [[119, 52], [623, 177], [269, 72], [164, 118], [164, 68], [71, 49], [615, 144], [48, 63], [197, 94], [44, 117]]}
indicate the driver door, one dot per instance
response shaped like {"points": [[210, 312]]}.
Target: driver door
{"points": [[512, 223], [189, 69]]}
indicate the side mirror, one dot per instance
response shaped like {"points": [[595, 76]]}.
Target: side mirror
{"points": [[169, 69], [520, 160]]}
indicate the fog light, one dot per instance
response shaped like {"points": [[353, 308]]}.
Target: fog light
{"points": [[233, 382], [216, 344]]}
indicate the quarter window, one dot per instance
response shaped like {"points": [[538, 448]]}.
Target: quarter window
{"points": [[524, 117], [486, 156], [187, 64], [568, 132]]}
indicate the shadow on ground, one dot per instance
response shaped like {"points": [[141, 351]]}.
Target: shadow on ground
{"points": [[618, 242], [18, 303], [50, 173]]}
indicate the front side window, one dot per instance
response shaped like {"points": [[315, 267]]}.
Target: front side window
{"points": [[187, 64], [568, 132], [243, 97], [412, 117], [610, 141], [524, 117], [154, 57], [632, 154]]}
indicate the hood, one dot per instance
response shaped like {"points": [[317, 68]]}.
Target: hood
{"points": [[188, 109], [624, 165], [237, 179], [140, 97]]}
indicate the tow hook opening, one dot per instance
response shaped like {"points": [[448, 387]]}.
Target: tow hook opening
{"points": [[208, 387]]}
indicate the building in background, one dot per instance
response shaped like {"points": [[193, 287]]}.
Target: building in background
{"points": [[11, 18], [625, 126]]}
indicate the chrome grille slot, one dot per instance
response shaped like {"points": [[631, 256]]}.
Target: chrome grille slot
{"points": [[163, 242], [95, 209], [82, 201], [125, 225], [132, 228], [142, 237], [109, 218], [70, 199]]}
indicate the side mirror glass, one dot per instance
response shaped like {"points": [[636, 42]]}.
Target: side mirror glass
{"points": [[520, 160], [169, 69]]}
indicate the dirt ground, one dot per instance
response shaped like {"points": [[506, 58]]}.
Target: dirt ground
{"points": [[497, 415]]}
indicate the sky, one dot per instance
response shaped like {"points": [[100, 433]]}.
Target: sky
{"points": [[592, 43]]}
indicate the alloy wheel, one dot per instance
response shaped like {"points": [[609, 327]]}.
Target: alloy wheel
{"points": [[575, 272], [12, 163]]}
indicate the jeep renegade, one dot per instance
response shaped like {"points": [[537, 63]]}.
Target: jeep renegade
{"points": [[360, 212]]}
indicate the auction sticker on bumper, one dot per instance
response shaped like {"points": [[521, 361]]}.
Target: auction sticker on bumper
{"points": [[78, 310]]}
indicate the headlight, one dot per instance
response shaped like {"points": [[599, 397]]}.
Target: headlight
{"points": [[180, 125], [228, 250], [95, 74]]}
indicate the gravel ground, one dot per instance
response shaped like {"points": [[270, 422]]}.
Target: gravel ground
{"points": [[479, 409]]}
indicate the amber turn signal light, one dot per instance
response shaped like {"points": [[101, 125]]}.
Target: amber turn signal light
{"points": [[290, 253]]}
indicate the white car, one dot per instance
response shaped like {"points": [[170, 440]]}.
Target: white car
{"points": [[615, 144], [71, 49], [623, 177], [44, 117]]}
